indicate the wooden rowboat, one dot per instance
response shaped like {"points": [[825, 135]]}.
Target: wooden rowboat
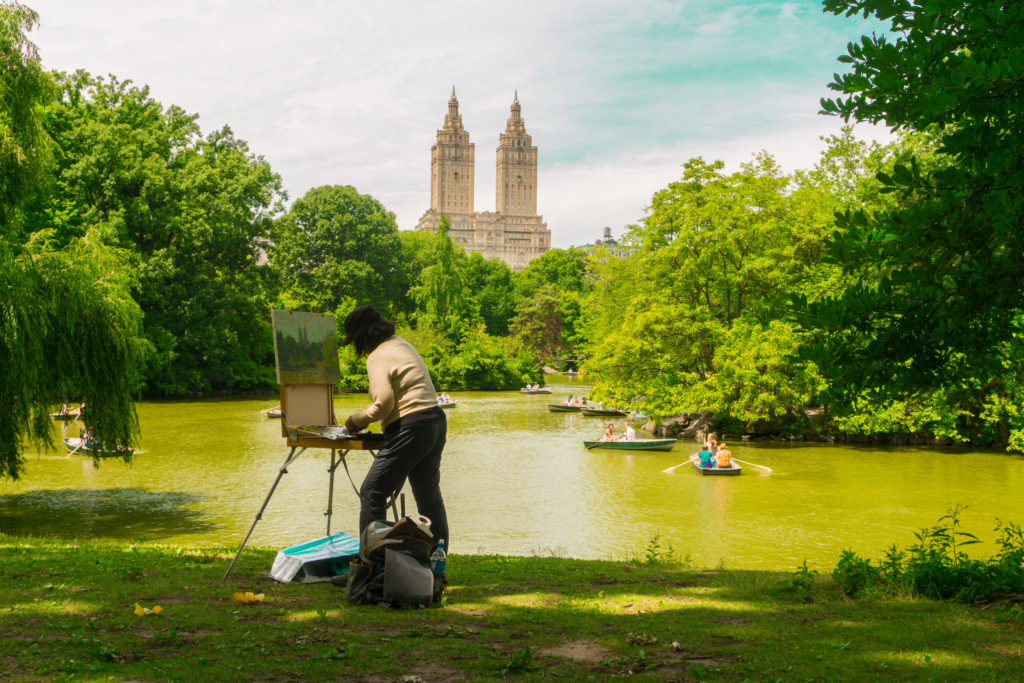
{"points": [[535, 391], [446, 406], [733, 471], [76, 446], [562, 408], [603, 412], [635, 445], [64, 417]]}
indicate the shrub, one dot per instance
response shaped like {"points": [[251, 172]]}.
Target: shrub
{"points": [[937, 566]]}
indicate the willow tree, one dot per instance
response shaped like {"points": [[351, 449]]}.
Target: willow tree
{"points": [[68, 325]]}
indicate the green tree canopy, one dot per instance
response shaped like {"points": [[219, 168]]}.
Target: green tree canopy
{"points": [[692, 321], [443, 299], [335, 245], [24, 89], [192, 212]]}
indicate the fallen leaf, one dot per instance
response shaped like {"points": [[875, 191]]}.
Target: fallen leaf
{"points": [[142, 611], [247, 598]]}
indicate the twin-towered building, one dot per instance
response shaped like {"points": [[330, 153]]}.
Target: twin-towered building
{"points": [[513, 232]]}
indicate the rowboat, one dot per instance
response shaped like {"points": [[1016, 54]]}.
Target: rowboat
{"points": [[446, 406], [733, 471], [76, 446], [604, 412], [535, 391], [274, 412], [562, 408], [64, 417], [635, 445]]}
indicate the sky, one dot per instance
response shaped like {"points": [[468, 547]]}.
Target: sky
{"points": [[617, 94]]}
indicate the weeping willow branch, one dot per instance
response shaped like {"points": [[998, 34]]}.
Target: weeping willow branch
{"points": [[68, 328]]}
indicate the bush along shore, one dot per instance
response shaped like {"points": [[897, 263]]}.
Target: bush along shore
{"points": [[815, 424], [91, 610]]}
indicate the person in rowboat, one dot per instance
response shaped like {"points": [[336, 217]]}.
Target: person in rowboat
{"points": [[628, 433], [723, 458], [707, 458], [609, 434]]}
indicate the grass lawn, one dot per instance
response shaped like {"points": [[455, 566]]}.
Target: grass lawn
{"points": [[67, 612]]}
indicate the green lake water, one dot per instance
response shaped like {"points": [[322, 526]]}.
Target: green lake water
{"points": [[517, 480]]}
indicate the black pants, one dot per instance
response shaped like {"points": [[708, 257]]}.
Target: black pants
{"points": [[412, 453]]}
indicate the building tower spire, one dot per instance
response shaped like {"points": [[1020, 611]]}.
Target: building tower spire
{"points": [[516, 191], [452, 168]]}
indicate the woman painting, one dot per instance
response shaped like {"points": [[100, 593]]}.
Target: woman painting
{"points": [[405, 403]]}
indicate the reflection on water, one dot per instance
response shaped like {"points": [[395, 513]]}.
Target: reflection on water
{"points": [[517, 480]]}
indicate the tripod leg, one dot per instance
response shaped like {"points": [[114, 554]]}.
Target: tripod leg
{"points": [[330, 489], [283, 471]]}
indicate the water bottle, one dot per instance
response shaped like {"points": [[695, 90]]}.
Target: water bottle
{"points": [[437, 559]]}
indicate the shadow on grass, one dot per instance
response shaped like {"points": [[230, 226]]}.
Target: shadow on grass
{"points": [[113, 513], [743, 622], [539, 617]]}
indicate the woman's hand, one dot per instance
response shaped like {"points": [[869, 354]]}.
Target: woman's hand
{"points": [[350, 426]]}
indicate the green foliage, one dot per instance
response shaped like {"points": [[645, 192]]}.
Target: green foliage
{"points": [[334, 245], [693, 321], [563, 269], [520, 662], [68, 325], [854, 574], [541, 325], [444, 301], [550, 318], [479, 361], [68, 328], [24, 89], [800, 587], [191, 212], [490, 284], [937, 275], [655, 554], [937, 566]]}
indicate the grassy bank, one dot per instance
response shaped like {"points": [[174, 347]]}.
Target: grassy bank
{"points": [[67, 611]]}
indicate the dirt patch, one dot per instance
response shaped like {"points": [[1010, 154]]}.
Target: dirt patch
{"points": [[730, 621], [467, 611], [585, 651], [641, 607]]}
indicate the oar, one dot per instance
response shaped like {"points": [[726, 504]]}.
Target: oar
{"points": [[769, 469], [692, 458], [81, 442]]}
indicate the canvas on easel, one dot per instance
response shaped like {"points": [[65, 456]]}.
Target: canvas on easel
{"points": [[306, 359]]}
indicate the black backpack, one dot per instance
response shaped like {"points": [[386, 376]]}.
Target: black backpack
{"points": [[393, 567]]}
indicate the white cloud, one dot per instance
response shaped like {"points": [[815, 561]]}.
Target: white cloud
{"points": [[616, 94]]}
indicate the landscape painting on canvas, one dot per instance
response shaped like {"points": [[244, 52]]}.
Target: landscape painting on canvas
{"points": [[305, 348]]}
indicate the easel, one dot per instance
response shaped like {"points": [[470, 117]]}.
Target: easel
{"points": [[310, 404]]}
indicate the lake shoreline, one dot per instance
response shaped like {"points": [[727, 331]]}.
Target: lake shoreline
{"points": [[69, 610]]}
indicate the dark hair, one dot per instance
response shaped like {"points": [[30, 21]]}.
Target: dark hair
{"points": [[366, 328]]}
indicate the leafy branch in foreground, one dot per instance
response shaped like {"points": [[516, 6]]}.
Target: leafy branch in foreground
{"points": [[938, 276]]}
